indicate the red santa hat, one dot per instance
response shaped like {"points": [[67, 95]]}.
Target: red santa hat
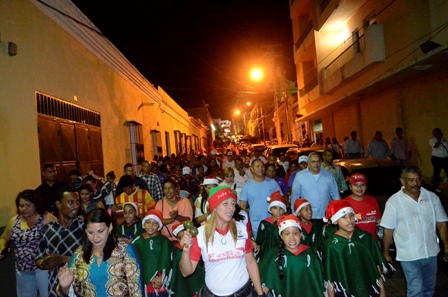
{"points": [[276, 199], [299, 204], [288, 221], [177, 228], [133, 204], [218, 195], [155, 215], [358, 177], [336, 209]]}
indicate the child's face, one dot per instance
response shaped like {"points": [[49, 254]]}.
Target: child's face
{"points": [[179, 235], [291, 238], [277, 212], [358, 189], [346, 224], [151, 227], [129, 213], [306, 213]]}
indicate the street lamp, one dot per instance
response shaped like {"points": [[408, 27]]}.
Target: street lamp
{"points": [[256, 74]]}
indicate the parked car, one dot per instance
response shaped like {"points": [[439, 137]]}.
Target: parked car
{"points": [[383, 176], [280, 148]]}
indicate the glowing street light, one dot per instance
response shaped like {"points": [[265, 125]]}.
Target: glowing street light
{"points": [[237, 112], [256, 74], [248, 103]]}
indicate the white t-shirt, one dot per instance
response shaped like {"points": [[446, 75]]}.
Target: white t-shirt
{"points": [[414, 224]]}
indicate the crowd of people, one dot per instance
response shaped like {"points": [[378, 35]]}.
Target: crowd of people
{"points": [[228, 223]]}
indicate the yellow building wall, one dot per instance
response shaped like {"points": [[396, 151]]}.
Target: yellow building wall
{"points": [[50, 61]]}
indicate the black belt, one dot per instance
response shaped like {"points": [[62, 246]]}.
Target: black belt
{"points": [[243, 292]]}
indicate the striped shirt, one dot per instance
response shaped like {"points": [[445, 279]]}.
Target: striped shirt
{"points": [[140, 197]]}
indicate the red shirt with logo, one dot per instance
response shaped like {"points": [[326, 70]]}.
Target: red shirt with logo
{"points": [[368, 213]]}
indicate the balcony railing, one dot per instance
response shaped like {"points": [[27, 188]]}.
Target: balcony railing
{"points": [[347, 55], [308, 87], [303, 35]]}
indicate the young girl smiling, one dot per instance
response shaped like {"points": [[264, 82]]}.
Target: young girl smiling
{"points": [[311, 232], [286, 270]]}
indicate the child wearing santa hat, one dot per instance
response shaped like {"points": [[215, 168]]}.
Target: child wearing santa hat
{"points": [[267, 236], [365, 206], [353, 262], [155, 252], [311, 231], [293, 269], [184, 286], [132, 227]]}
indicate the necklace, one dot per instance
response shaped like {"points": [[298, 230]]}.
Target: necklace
{"points": [[223, 237]]}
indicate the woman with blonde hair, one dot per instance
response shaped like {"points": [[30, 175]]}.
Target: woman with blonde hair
{"points": [[226, 249]]}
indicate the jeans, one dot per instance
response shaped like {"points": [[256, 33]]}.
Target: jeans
{"points": [[420, 276], [438, 164], [28, 283]]}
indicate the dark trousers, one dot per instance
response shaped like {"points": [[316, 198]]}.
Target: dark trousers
{"points": [[438, 164], [246, 291]]}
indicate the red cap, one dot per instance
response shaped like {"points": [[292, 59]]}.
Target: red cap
{"points": [[177, 228], [358, 177], [276, 199], [336, 209], [288, 221], [218, 195], [299, 204], [155, 215]]}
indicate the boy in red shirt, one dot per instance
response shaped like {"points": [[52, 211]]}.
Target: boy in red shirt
{"points": [[365, 206]]}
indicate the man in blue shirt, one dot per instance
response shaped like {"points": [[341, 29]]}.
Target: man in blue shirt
{"points": [[316, 185], [255, 192]]}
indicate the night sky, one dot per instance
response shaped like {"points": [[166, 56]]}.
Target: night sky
{"points": [[197, 49]]}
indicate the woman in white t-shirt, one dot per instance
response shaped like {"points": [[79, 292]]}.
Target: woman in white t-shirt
{"points": [[226, 250]]}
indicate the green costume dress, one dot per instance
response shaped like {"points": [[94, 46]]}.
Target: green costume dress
{"points": [[313, 239], [267, 236], [156, 255], [352, 264], [303, 273], [186, 286], [130, 232]]}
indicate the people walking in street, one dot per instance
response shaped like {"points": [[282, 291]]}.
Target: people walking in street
{"points": [[353, 147], [24, 231], [102, 266], [378, 148], [334, 169], [353, 262], [254, 192], [400, 147], [226, 249], [439, 156], [318, 186], [412, 218], [292, 269]]}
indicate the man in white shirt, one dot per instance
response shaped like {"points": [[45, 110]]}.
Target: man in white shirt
{"points": [[439, 158], [411, 216]]}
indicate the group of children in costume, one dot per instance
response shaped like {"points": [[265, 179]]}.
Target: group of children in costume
{"points": [[297, 256], [340, 258]]}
